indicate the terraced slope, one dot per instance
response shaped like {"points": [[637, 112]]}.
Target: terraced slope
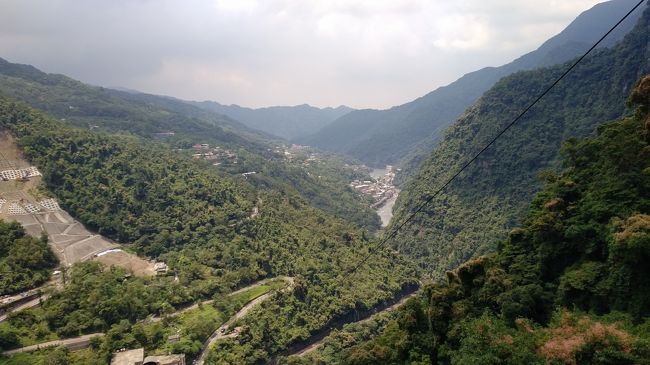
{"points": [[24, 199]]}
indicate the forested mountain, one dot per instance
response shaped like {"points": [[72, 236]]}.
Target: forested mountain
{"points": [[112, 110], [570, 286], [288, 122], [100, 109], [168, 206], [406, 134], [491, 195]]}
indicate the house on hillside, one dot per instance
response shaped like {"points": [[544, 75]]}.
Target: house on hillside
{"points": [[160, 268]]}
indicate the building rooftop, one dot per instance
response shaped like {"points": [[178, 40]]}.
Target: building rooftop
{"points": [[129, 357]]}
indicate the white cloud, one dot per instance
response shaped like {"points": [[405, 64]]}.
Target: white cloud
{"points": [[463, 32], [364, 53], [236, 6]]}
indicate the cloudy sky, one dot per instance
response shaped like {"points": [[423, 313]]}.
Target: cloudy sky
{"points": [[361, 53]]}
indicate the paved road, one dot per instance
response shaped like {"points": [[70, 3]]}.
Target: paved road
{"points": [[9, 300], [221, 331], [288, 280], [314, 346], [44, 289], [31, 304], [76, 343]]}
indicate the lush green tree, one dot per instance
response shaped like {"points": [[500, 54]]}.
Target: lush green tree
{"points": [[25, 262]]}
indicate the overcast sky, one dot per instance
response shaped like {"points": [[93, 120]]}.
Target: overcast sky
{"points": [[361, 53]]}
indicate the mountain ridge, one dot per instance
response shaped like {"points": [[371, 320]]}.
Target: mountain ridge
{"points": [[288, 122], [145, 115], [405, 134]]}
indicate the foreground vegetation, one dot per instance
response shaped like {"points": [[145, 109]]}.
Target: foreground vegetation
{"points": [[57, 356], [570, 286], [192, 327]]}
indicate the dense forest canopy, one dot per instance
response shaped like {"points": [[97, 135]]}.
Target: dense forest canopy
{"points": [[25, 262], [570, 286]]}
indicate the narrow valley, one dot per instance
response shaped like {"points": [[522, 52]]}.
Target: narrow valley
{"points": [[198, 183]]}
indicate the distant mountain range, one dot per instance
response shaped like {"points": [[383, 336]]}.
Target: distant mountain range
{"points": [[406, 134], [120, 111], [288, 122]]}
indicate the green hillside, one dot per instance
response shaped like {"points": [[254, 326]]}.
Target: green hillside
{"points": [[105, 110], [171, 207], [570, 286], [491, 196], [25, 262], [111, 110]]}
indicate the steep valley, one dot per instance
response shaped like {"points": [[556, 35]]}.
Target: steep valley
{"points": [[144, 229]]}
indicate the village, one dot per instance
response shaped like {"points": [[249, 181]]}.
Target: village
{"points": [[217, 155], [381, 189], [296, 152]]}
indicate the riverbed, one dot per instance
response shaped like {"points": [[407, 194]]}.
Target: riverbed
{"points": [[385, 211], [377, 173]]}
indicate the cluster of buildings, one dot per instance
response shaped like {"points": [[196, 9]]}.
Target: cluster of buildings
{"points": [[297, 152], [216, 155], [381, 189]]}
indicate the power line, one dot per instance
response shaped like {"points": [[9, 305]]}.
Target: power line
{"points": [[385, 239]]}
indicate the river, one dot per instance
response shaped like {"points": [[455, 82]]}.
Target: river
{"points": [[377, 173], [385, 211]]}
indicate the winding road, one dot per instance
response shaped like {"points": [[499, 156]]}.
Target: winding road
{"points": [[288, 280], [78, 343], [221, 331], [314, 346]]}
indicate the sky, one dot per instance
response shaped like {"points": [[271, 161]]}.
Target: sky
{"points": [[360, 53]]}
